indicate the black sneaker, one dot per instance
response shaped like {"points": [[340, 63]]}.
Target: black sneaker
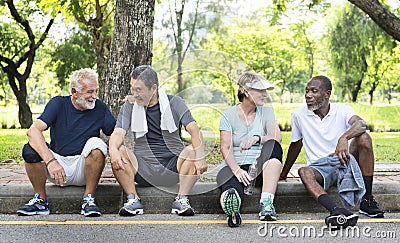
{"points": [[369, 207], [341, 218], [89, 208], [35, 206]]}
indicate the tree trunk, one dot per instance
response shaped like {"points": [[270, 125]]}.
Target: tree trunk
{"points": [[102, 49], [24, 111], [389, 22], [131, 46], [371, 92], [25, 59], [180, 74]]}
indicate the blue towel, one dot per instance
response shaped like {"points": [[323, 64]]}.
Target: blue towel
{"points": [[350, 183]]}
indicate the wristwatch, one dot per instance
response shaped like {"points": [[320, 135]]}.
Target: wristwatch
{"points": [[259, 139]]}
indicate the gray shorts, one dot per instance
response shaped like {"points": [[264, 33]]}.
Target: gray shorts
{"points": [[328, 167], [151, 174]]}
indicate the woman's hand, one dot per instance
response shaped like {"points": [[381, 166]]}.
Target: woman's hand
{"points": [[243, 176], [247, 143]]}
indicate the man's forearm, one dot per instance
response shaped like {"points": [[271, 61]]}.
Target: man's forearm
{"points": [[293, 153], [116, 140]]}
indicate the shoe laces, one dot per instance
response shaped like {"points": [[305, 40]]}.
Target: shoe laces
{"points": [[89, 200], [267, 204], [36, 198], [132, 201], [184, 201], [371, 202]]}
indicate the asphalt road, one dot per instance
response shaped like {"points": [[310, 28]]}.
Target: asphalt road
{"points": [[200, 228]]}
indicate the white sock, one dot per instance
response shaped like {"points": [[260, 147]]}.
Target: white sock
{"points": [[267, 195]]}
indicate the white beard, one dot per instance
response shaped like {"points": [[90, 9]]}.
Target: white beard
{"points": [[84, 104]]}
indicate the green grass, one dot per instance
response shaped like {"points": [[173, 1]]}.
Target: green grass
{"points": [[12, 141], [380, 118]]}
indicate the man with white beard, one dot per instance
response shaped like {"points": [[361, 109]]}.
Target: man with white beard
{"points": [[76, 154]]}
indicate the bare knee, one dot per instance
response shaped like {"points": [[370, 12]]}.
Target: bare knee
{"points": [[306, 174], [96, 155], [364, 141]]}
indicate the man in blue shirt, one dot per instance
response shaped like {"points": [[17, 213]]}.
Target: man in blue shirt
{"points": [[76, 154]]}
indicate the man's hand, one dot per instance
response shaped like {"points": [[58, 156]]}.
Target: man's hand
{"points": [[201, 166], [57, 173], [117, 162], [342, 150], [129, 98], [358, 127], [283, 177]]}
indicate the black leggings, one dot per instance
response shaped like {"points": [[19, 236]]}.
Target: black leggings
{"points": [[226, 179]]}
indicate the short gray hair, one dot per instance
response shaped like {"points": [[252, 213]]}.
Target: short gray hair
{"points": [[147, 74], [81, 74]]}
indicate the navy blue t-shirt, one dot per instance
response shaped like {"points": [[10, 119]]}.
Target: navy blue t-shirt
{"points": [[71, 128]]}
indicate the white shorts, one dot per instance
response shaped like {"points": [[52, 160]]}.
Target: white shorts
{"points": [[74, 166]]}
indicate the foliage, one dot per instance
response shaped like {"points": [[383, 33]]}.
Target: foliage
{"points": [[362, 51], [185, 30], [17, 60], [268, 50], [74, 52], [94, 17]]}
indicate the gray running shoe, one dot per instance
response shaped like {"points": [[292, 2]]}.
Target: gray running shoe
{"points": [[132, 207], [182, 207], [267, 210], [89, 208]]}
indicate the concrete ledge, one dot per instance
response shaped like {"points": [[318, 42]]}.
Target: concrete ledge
{"points": [[291, 197]]}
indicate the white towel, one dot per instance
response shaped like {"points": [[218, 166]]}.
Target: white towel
{"points": [[139, 122]]}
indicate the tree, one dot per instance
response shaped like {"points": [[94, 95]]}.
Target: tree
{"points": [[21, 45], [359, 52], [379, 13], [74, 52], [178, 28], [269, 50], [349, 50], [96, 17], [188, 23], [381, 57], [131, 46]]}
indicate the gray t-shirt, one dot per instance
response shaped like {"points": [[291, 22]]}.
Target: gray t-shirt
{"points": [[157, 146]]}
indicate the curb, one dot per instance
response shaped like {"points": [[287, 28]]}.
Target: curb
{"points": [[291, 197]]}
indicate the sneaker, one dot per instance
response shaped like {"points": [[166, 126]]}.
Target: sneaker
{"points": [[369, 207], [182, 207], [132, 207], [89, 208], [267, 210], [341, 218], [35, 206], [231, 205]]}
